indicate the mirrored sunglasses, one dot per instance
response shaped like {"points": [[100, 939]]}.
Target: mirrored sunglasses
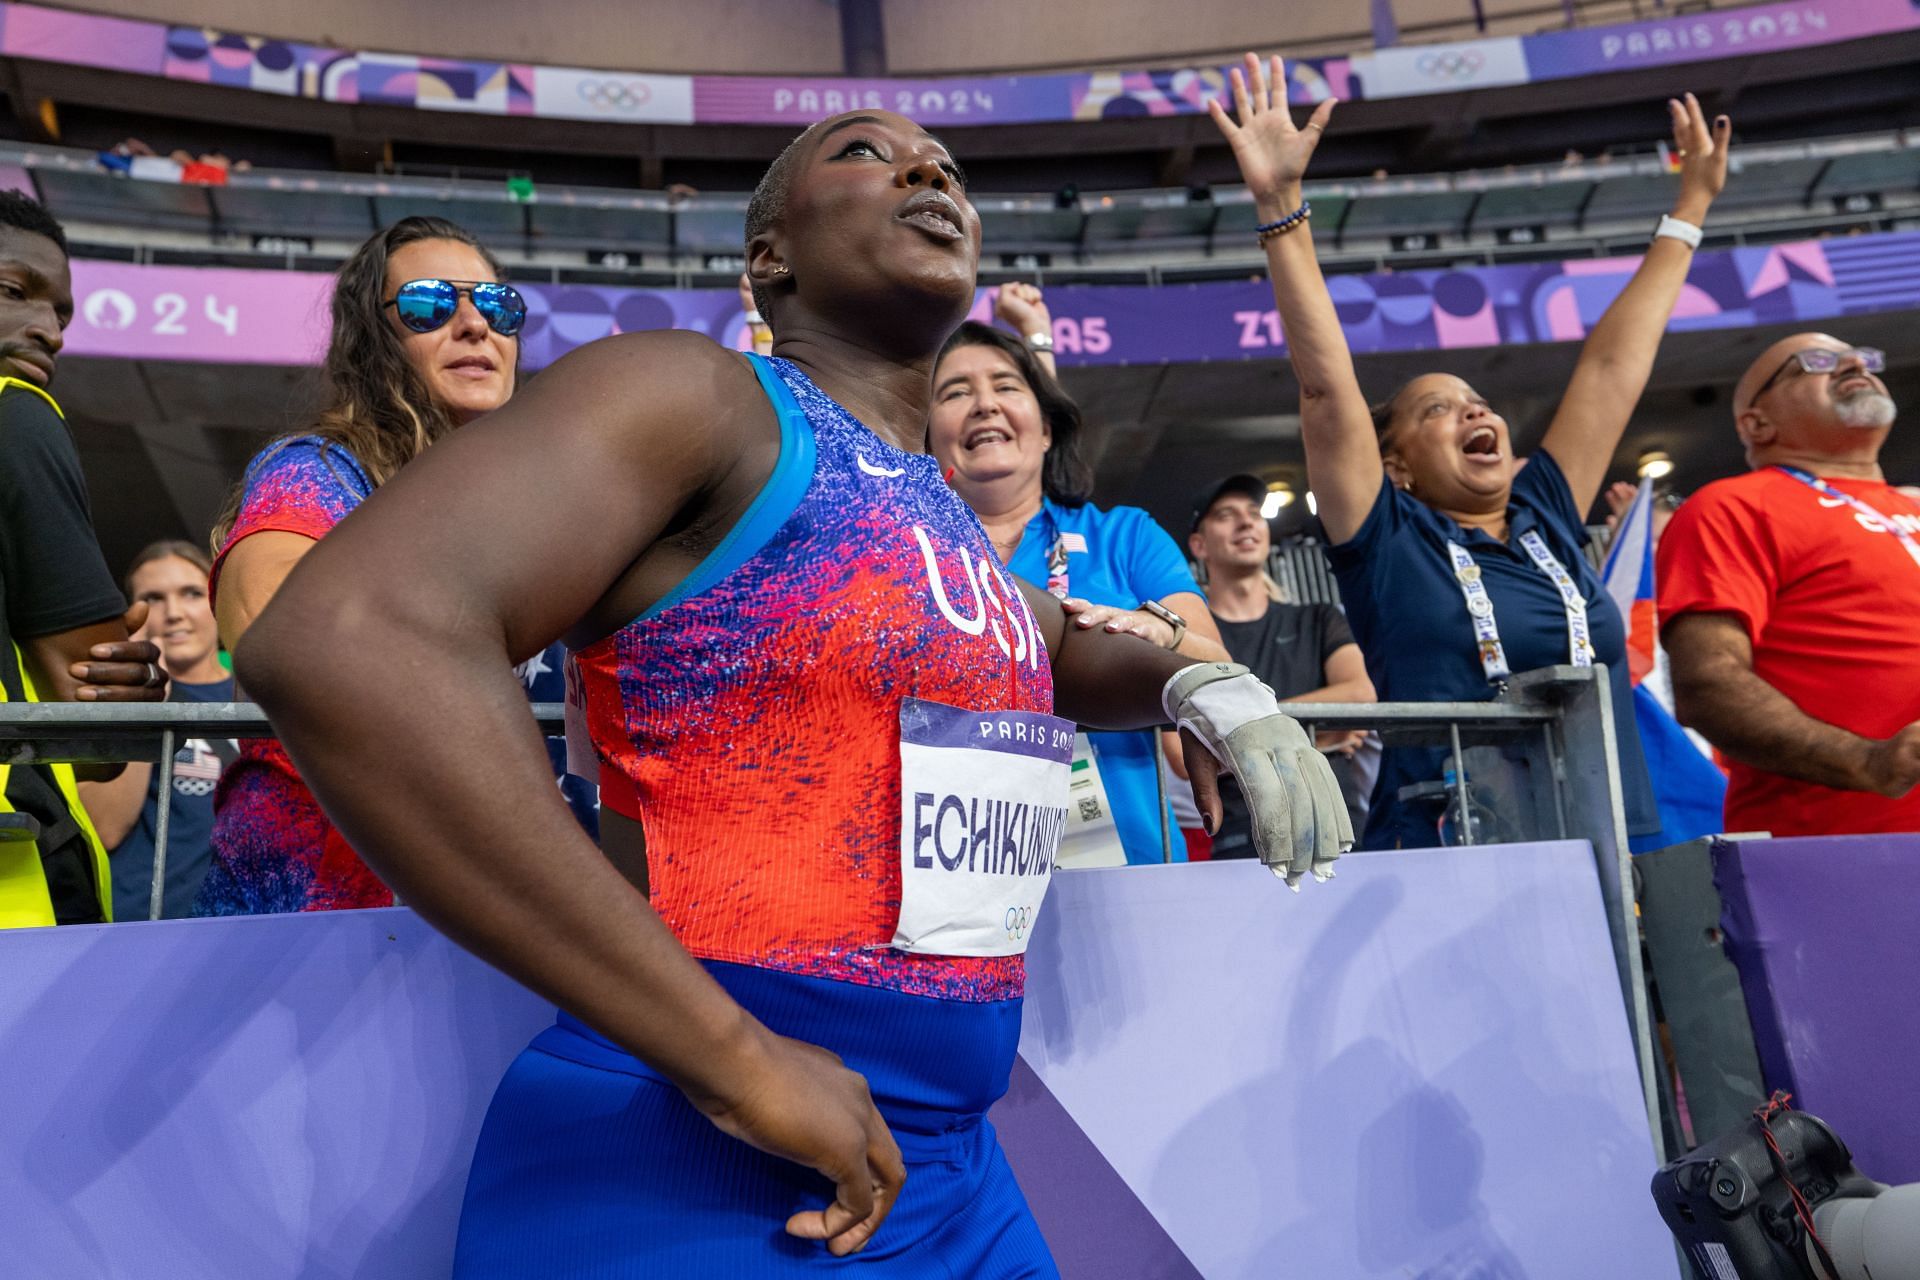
{"points": [[425, 305]]}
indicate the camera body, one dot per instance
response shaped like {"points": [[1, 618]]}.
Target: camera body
{"points": [[1728, 1205]]}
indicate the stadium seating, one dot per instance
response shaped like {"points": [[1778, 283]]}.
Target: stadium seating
{"points": [[1776, 191]]}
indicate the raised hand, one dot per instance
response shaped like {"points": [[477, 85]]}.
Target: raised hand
{"points": [[1271, 153], [802, 1104], [1703, 157], [1023, 308]]}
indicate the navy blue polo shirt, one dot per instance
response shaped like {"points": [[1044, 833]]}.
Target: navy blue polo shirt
{"points": [[1406, 609]]}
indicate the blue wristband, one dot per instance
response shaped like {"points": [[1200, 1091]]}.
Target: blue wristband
{"points": [[1267, 230]]}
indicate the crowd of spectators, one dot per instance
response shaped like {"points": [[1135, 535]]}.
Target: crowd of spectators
{"points": [[1782, 592]]}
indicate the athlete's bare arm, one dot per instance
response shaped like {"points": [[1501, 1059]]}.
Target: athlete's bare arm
{"points": [[385, 662], [1113, 680]]}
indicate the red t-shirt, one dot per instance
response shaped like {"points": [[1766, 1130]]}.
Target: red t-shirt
{"points": [[1830, 599]]}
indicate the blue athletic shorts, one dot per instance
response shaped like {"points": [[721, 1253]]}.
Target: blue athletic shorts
{"points": [[590, 1166]]}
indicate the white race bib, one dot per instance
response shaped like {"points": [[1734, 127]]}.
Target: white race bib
{"points": [[983, 799]]}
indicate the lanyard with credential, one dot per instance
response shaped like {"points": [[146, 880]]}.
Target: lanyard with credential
{"points": [[1815, 482], [1486, 631], [1056, 557]]}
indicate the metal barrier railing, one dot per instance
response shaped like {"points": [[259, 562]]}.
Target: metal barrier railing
{"points": [[1537, 762]]}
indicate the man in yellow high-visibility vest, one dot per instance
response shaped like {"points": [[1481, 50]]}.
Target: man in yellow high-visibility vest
{"points": [[64, 627]]}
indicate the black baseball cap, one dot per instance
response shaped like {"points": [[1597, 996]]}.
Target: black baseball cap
{"points": [[1251, 486]]}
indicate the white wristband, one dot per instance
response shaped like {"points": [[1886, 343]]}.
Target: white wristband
{"points": [[1674, 229], [1040, 341]]}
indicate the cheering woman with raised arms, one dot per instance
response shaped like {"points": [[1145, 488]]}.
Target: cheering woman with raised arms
{"points": [[1459, 563], [823, 718]]}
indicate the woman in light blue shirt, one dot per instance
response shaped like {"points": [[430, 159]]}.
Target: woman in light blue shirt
{"points": [[1009, 438]]}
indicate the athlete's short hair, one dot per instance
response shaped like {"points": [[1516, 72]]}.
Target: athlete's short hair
{"points": [[24, 213], [768, 207]]}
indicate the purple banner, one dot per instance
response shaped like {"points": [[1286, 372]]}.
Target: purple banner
{"points": [[205, 314], [221, 316], [1092, 95], [1485, 306], [1700, 37], [81, 39], [493, 87]]}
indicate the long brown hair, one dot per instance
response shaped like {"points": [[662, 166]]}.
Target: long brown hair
{"points": [[373, 405]]}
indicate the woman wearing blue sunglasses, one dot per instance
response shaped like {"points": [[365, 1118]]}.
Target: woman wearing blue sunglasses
{"points": [[424, 340]]}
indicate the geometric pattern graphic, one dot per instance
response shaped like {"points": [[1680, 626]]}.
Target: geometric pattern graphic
{"points": [[1406, 1072], [1093, 1222], [233, 316]]}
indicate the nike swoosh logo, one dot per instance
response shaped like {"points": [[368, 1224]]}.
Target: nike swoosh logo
{"points": [[1833, 502], [872, 470]]}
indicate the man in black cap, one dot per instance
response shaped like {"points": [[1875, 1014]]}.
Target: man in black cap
{"points": [[1303, 652]]}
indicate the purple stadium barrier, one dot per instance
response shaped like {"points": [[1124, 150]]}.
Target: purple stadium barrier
{"points": [[1407, 1072], [1822, 931]]}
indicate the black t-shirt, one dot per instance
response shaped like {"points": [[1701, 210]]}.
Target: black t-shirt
{"points": [[52, 579], [1287, 649], [52, 576]]}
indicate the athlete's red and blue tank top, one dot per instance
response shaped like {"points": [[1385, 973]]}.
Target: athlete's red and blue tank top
{"points": [[750, 721], [273, 849]]}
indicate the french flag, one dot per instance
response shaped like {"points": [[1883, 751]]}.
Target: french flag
{"points": [[1690, 787]]}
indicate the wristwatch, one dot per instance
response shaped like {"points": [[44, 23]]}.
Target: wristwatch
{"points": [[1673, 228], [1040, 341], [1168, 616]]}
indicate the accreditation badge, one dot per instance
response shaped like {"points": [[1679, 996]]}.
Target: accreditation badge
{"points": [[1093, 836], [983, 800]]}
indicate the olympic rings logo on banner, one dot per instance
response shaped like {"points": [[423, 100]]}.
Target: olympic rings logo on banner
{"points": [[1452, 64], [614, 95]]}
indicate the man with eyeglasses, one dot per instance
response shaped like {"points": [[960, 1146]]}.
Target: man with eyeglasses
{"points": [[1787, 603]]}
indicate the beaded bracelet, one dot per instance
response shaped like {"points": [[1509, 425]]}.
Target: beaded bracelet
{"points": [[1279, 227]]}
